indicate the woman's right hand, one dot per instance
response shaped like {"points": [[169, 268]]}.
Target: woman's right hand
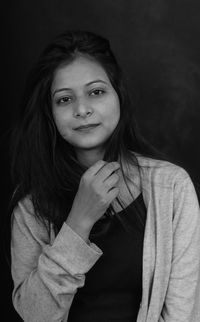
{"points": [[97, 189]]}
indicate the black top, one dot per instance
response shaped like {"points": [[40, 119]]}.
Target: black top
{"points": [[113, 286]]}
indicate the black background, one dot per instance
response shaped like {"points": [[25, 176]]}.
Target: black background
{"points": [[157, 43]]}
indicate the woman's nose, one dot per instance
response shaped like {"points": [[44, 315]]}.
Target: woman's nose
{"points": [[82, 109]]}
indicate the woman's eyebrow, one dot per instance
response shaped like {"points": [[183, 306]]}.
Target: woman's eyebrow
{"points": [[96, 81], [61, 90], [69, 89]]}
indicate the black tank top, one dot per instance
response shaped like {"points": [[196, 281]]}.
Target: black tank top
{"points": [[113, 286]]}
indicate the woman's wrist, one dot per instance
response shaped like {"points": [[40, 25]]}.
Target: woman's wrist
{"points": [[80, 228]]}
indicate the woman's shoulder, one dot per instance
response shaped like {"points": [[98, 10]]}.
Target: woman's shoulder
{"points": [[24, 208], [161, 170], [25, 218]]}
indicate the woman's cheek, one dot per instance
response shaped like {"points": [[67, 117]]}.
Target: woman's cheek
{"points": [[62, 118]]}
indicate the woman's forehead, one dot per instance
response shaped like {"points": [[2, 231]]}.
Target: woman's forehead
{"points": [[80, 72]]}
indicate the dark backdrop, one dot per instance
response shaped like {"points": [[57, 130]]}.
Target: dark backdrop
{"points": [[157, 44]]}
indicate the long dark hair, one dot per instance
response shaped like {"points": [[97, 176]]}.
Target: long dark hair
{"points": [[44, 165]]}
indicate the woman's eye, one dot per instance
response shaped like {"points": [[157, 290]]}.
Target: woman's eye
{"points": [[64, 100], [97, 92]]}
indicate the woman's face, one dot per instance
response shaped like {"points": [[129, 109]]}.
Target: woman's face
{"points": [[82, 95]]}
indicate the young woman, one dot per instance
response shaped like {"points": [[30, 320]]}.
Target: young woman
{"points": [[101, 229]]}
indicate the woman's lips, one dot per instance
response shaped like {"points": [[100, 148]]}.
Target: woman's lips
{"points": [[87, 128]]}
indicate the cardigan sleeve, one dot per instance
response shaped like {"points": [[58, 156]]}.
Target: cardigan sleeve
{"points": [[46, 276], [182, 302]]}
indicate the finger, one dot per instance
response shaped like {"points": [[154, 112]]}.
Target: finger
{"points": [[107, 170], [93, 170], [113, 193], [111, 181]]}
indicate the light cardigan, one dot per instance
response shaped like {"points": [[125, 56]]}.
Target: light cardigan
{"points": [[47, 273]]}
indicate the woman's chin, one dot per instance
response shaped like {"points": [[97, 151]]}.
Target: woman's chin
{"points": [[89, 145]]}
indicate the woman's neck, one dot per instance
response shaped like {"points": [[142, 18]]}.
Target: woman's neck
{"points": [[89, 157]]}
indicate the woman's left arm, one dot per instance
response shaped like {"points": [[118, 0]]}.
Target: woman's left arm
{"points": [[182, 302]]}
